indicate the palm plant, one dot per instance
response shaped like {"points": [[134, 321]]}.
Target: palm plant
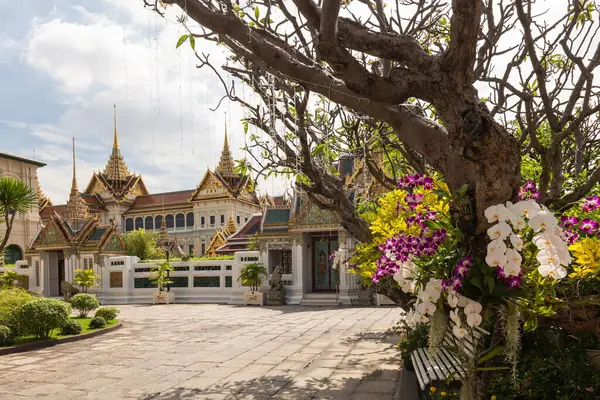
{"points": [[160, 276], [252, 275], [15, 197], [85, 278]]}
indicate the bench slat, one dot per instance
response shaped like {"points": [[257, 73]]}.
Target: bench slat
{"points": [[435, 366], [419, 369]]}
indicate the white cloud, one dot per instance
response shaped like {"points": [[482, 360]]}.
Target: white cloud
{"points": [[117, 56]]}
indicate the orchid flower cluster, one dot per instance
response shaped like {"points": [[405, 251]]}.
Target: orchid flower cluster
{"points": [[511, 222], [574, 226], [399, 250]]}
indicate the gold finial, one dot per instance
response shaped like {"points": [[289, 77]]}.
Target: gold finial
{"points": [[226, 167], [76, 211], [74, 189], [116, 138], [231, 227]]}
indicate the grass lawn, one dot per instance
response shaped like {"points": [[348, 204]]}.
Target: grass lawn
{"points": [[85, 324]]}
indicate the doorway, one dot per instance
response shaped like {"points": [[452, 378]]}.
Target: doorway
{"points": [[55, 273], [324, 276]]}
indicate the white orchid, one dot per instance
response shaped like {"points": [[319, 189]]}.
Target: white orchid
{"points": [[473, 307], [513, 257], [498, 213], [459, 332], [496, 246], [543, 220], [474, 320], [516, 242], [548, 256], [527, 208], [452, 300], [426, 307], [553, 271], [454, 317], [462, 300], [511, 269], [517, 222], [499, 231], [496, 259]]}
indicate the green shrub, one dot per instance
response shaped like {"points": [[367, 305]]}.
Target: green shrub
{"points": [[72, 327], [552, 365], [97, 322], [6, 336], [42, 316], [11, 299], [84, 303], [108, 313]]}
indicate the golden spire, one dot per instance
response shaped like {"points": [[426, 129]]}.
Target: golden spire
{"points": [[226, 167], [231, 225], [74, 189], [77, 210], [116, 138], [116, 170]]}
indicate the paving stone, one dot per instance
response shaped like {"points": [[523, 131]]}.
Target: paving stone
{"points": [[218, 352]]}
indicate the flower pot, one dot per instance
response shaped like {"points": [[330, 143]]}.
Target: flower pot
{"points": [[256, 298], [163, 297], [365, 296], [594, 356]]}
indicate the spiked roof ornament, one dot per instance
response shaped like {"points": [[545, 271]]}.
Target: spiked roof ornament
{"points": [[116, 169], [77, 210], [226, 167]]}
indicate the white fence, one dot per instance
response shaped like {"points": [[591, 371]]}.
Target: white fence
{"points": [[126, 280]]}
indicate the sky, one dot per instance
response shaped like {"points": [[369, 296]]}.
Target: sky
{"points": [[64, 63]]}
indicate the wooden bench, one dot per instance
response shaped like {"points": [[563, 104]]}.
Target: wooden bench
{"points": [[442, 364]]}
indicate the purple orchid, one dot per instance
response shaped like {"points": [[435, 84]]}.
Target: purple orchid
{"points": [[567, 221], [588, 226]]}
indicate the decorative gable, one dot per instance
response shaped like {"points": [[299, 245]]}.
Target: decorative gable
{"points": [[51, 237], [311, 216], [210, 186], [114, 244]]}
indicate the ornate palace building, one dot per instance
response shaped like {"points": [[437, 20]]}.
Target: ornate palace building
{"points": [[24, 225], [223, 201]]}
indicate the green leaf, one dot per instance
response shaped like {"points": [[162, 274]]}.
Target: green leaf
{"points": [[492, 368], [490, 354], [182, 40], [490, 283], [319, 149], [256, 12], [193, 42]]}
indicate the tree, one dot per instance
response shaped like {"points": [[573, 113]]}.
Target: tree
{"points": [[15, 197], [85, 278], [160, 276], [252, 275], [141, 243], [426, 59]]}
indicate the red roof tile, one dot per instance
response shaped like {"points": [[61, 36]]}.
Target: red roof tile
{"points": [[158, 198]]}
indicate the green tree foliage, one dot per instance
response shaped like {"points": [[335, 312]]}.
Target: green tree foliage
{"points": [[141, 243], [252, 275], [42, 316], [160, 276], [15, 198], [84, 303], [85, 278]]}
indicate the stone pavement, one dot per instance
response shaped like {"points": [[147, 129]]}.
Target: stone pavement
{"points": [[218, 352]]}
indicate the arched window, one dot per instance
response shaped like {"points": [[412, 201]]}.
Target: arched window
{"points": [[139, 223], [128, 224], [158, 221], [149, 222], [169, 220], [189, 220], [12, 254], [180, 221]]}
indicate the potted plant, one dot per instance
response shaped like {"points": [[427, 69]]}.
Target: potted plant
{"points": [[252, 275], [85, 278], [160, 277]]}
